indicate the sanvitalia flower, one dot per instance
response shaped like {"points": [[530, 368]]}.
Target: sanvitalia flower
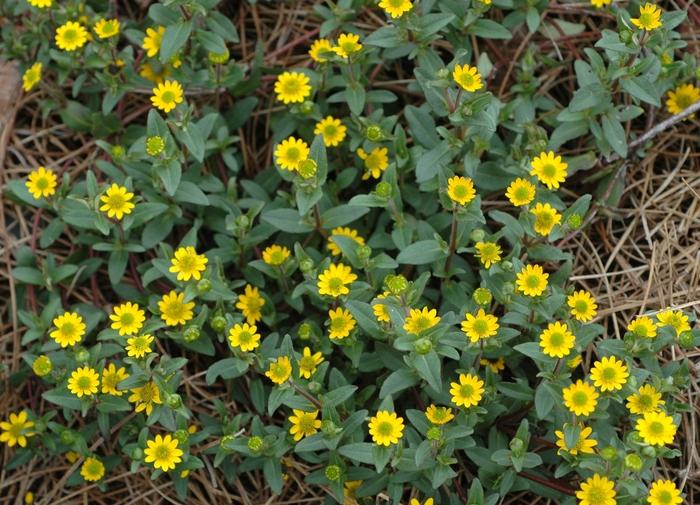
{"points": [[275, 255], [106, 28], [557, 340], [664, 492], [84, 381], [468, 391], [111, 377], [42, 365], [495, 365], [292, 87], [332, 130], [280, 370], [597, 490], [335, 279], [376, 161], [128, 318], [174, 310], [646, 399], [467, 77], [348, 43], [546, 218], [138, 347], [167, 95], [584, 445], [521, 192], [582, 306], [682, 97], [609, 374], [145, 397], [31, 78], [344, 232], [245, 337], [309, 362], [155, 145], [386, 428], [532, 280], [674, 318], [420, 320], [656, 428], [71, 36], [41, 183], [187, 264], [439, 415], [580, 398], [643, 326], [17, 429], [480, 326], [415, 501], [152, 40], [92, 469], [163, 452], [117, 201], [341, 323], [549, 169], [381, 311], [69, 329], [155, 72], [304, 424], [600, 3], [250, 303], [488, 253], [40, 4], [319, 48], [290, 152], [460, 189], [649, 17], [396, 8]]}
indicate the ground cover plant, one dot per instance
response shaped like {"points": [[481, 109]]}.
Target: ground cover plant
{"points": [[338, 252]]}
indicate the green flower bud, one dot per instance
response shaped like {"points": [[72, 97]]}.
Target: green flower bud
{"points": [[482, 296], [314, 387], [374, 133], [685, 339], [182, 436], [434, 433], [191, 334], [155, 145], [307, 168], [333, 473], [204, 286], [508, 288], [174, 402], [219, 58], [477, 235], [383, 190], [517, 446], [255, 444], [423, 346], [329, 428], [67, 437], [118, 152], [396, 284], [42, 365], [574, 221], [218, 323], [649, 452], [507, 265], [306, 265], [306, 107], [633, 462], [625, 36], [608, 453], [697, 73], [364, 252], [242, 221], [39, 426], [136, 453], [443, 73], [305, 331], [82, 355]]}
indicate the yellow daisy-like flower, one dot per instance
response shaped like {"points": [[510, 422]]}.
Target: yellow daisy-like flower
{"points": [[396, 8], [649, 17], [145, 397], [580, 398], [495, 365], [488, 253], [163, 452], [304, 424], [335, 279], [154, 73], [167, 95], [549, 169], [348, 43], [682, 97], [546, 218], [187, 264], [376, 161], [582, 306], [598, 4], [350, 492], [250, 303], [111, 377], [596, 490], [69, 329], [41, 183], [275, 255], [420, 320], [290, 152], [40, 4], [117, 201], [344, 232], [674, 318], [643, 326], [332, 130], [381, 311], [386, 428], [439, 415], [609, 374], [128, 318], [467, 77], [309, 362], [480, 327], [174, 310], [245, 337], [92, 469], [532, 280], [646, 399], [31, 77], [84, 381], [416, 501], [17, 429], [152, 40], [521, 192], [341, 323], [292, 87], [574, 362], [138, 347], [664, 492], [106, 28], [468, 391], [42, 365], [460, 189], [557, 340], [71, 36], [319, 48], [584, 445], [656, 428], [279, 370]]}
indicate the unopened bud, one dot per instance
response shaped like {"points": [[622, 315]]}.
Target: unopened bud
{"points": [[396, 284], [374, 133], [191, 334], [477, 235], [423, 346], [333, 473], [364, 252], [155, 145], [306, 265], [608, 453], [174, 402], [255, 444], [42, 365], [82, 355], [434, 433], [383, 190], [307, 168], [218, 323], [204, 286], [482, 296], [574, 221], [219, 58], [305, 331], [633, 462]]}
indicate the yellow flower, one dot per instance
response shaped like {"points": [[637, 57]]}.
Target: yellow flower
{"points": [[28, 498], [350, 492], [275, 255], [646, 399], [415, 501], [375, 162], [41, 183], [532, 280], [128, 318], [584, 445], [596, 490], [188, 264], [396, 8], [348, 43], [439, 415], [334, 280], [290, 152], [546, 218], [279, 370], [174, 310], [600, 3], [521, 192], [582, 305], [319, 48], [580, 398], [332, 130], [488, 253], [152, 40], [674, 318], [42, 365], [341, 323], [145, 397], [549, 169], [304, 424], [460, 190], [420, 320], [167, 95], [643, 326], [468, 391], [309, 362], [69, 329], [17, 429], [649, 17], [117, 201], [609, 374], [148, 71], [292, 87], [343, 232], [381, 311], [106, 28], [31, 78], [495, 366], [574, 362], [92, 469], [72, 456], [557, 340], [245, 337], [251, 304], [138, 347], [682, 97], [664, 492], [40, 4], [111, 377], [84, 381], [467, 77], [163, 452], [386, 428], [656, 428], [71, 36], [479, 327]]}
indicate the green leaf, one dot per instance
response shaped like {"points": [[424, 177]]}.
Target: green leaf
{"points": [[175, 37], [360, 452], [355, 96], [431, 162], [193, 137], [63, 398], [170, 175], [28, 275], [428, 367], [642, 89], [287, 220], [117, 265], [421, 252], [544, 401], [487, 29], [422, 126], [228, 368], [342, 215], [615, 135], [109, 403], [398, 380], [338, 395]]}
